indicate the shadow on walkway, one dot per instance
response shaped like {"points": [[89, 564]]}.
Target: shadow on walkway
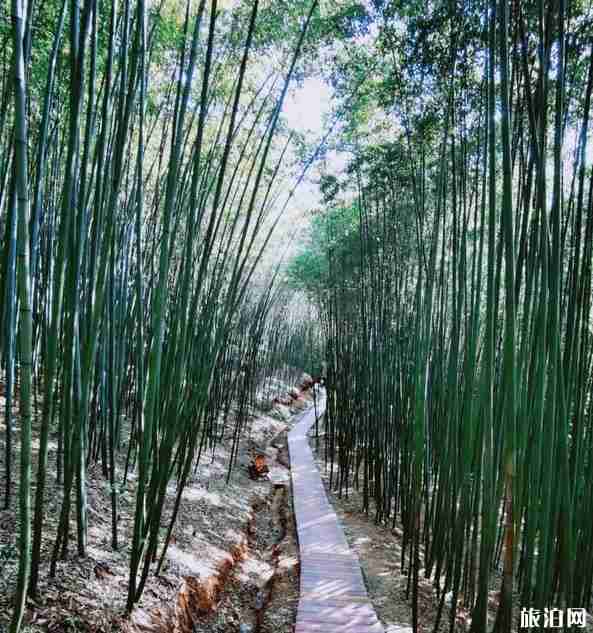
{"points": [[333, 597]]}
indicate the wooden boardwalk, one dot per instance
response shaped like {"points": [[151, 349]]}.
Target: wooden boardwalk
{"points": [[333, 596]]}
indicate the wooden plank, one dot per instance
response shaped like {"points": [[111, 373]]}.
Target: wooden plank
{"points": [[333, 597]]}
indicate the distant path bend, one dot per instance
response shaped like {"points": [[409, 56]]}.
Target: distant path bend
{"points": [[333, 596]]}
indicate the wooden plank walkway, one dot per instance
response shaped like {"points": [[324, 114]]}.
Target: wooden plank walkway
{"points": [[333, 596]]}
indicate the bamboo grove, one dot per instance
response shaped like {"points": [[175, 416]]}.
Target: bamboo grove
{"points": [[452, 268], [141, 175]]}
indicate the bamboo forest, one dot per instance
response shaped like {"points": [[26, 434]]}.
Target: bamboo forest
{"points": [[296, 316]]}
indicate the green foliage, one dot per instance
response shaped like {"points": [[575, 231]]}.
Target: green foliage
{"points": [[451, 263], [145, 185]]}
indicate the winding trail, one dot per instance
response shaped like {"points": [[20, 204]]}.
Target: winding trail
{"points": [[333, 596]]}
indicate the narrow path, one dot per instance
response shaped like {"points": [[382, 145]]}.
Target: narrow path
{"points": [[333, 598]]}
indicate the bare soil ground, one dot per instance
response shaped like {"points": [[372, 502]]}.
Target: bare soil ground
{"points": [[261, 593], [232, 561]]}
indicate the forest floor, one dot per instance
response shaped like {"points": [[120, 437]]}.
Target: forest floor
{"points": [[379, 548], [232, 564]]}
